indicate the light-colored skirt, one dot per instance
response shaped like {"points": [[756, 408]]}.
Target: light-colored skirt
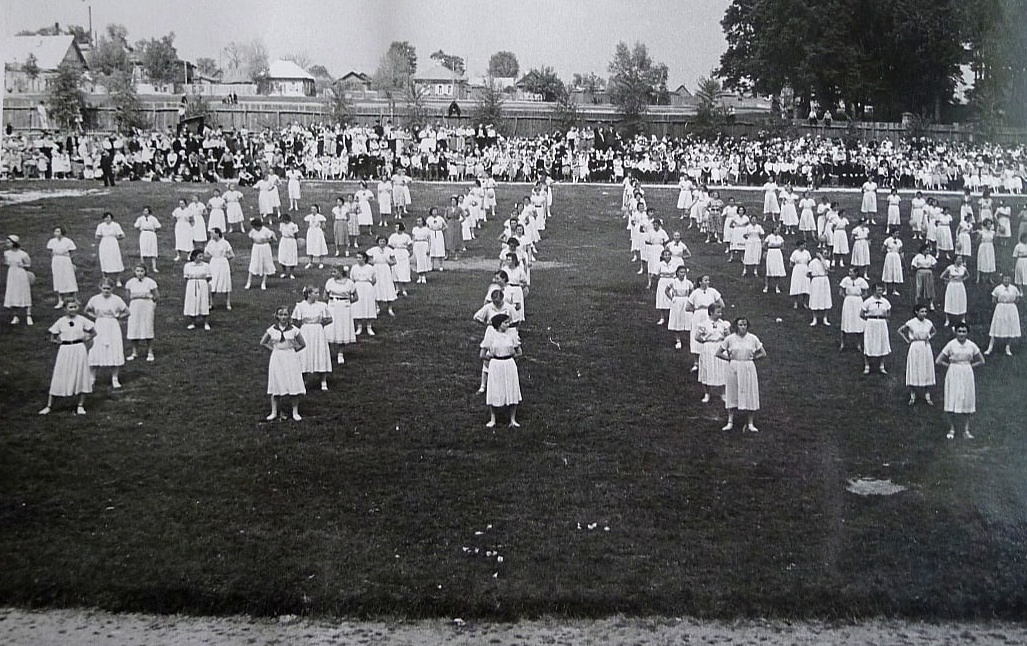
{"points": [[235, 215], [401, 270], [712, 371], [141, 313], [775, 263], [960, 389], [284, 374], [920, 365], [955, 298], [315, 355], [1005, 322], [110, 255], [384, 286], [503, 387], [197, 297], [820, 293], [800, 280], [220, 276], [288, 255], [680, 319], [860, 253], [147, 244], [341, 329], [852, 323], [216, 220], [261, 262], [892, 272], [364, 308], [875, 338], [71, 373], [986, 257], [662, 300], [183, 236], [63, 270], [421, 260], [317, 246], [742, 386], [108, 347]]}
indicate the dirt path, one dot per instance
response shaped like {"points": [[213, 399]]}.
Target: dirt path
{"points": [[93, 628]]}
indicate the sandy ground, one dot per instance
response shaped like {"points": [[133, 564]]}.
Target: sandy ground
{"points": [[94, 628]]}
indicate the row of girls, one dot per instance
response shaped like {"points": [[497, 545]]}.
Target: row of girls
{"points": [[504, 311], [865, 309]]}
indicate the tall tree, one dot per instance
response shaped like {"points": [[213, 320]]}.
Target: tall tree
{"points": [[998, 45], [449, 61], [128, 109], [207, 67], [323, 80], [591, 84], [110, 54], [636, 81], [489, 106], [545, 82], [395, 71], [65, 100], [504, 64], [248, 59], [160, 58]]}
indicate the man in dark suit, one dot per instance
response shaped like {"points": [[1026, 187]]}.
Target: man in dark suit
{"points": [[107, 166]]}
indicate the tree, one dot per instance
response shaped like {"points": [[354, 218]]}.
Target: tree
{"points": [[636, 81], [417, 107], [110, 54], [504, 64], [565, 112], [710, 112], [207, 67], [336, 105], [128, 109], [246, 59], [449, 61], [160, 58], [998, 46], [64, 100], [302, 59], [395, 71], [323, 81], [31, 66], [544, 81], [489, 106], [590, 84]]}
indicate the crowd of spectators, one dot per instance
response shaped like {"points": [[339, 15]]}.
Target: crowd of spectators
{"points": [[440, 152]]}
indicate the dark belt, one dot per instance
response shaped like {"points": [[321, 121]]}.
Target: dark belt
{"points": [[503, 358], [876, 317], [339, 299], [72, 342]]}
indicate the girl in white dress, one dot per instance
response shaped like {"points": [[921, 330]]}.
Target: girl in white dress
{"points": [[753, 248], [293, 175], [667, 268], [955, 292], [711, 334], [284, 374], [142, 295], [920, 375], [819, 289], [261, 262], [876, 312], [798, 287], [384, 201], [894, 211], [233, 208], [401, 192], [62, 268], [891, 274], [960, 356], [503, 387], [771, 206], [341, 293], [312, 315], [365, 310], [923, 265], [216, 206], [220, 252], [861, 249], [742, 387], [288, 251], [365, 216], [964, 240], [1020, 259], [421, 235], [148, 225], [680, 319], [383, 259], [943, 234], [400, 242], [853, 289], [108, 232], [986, 251], [917, 216], [775, 269], [789, 215], [436, 242], [199, 224], [264, 205], [839, 239], [340, 226], [317, 245], [196, 304], [807, 222], [699, 302], [108, 349], [276, 200], [739, 227], [868, 207], [1005, 322], [183, 217], [71, 374]]}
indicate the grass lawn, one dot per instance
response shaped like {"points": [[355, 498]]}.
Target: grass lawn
{"points": [[392, 498]]}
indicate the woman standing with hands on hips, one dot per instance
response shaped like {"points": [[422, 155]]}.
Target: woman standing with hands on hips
{"points": [[503, 388], [71, 374], [960, 356], [918, 332], [284, 373]]}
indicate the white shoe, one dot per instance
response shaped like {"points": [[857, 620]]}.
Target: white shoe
{"points": [[370, 332], [115, 384], [29, 322], [359, 330], [340, 359], [206, 326], [131, 357], [191, 326], [324, 386], [81, 410], [308, 266], [15, 320], [296, 416], [150, 357], [752, 429], [728, 427], [59, 305], [677, 345], [706, 398], [45, 411]]}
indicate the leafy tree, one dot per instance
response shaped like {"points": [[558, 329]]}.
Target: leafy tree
{"points": [[504, 64], [65, 100], [207, 67], [395, 72], [489, 106], [160, 58], [31, 66], [998, 45], [336, 106], [416, 99], [709, 113], [544, 81], [636, 81], [449, 61], [110, 55], [323, 81], [128, 109], [565, 112], [591, 84]]}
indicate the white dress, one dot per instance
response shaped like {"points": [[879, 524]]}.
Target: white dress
{"points": [[217, 219], [920, 358], [742, 385], [1005, 322], [61, 266], [316, 356], [799, 284], [261, 262], [422, 243], [365, 216], [284, 374], [875, 333], [288, 255], [220, 272], [503, 387], [148, 226], [294, 190], [955, 290], [819, 286], [141, 308], [700, 300], [775, 259], [234, 212], [960, 385], [340, 295], [363, 275], [711, 334], [892, 272], [108, 348], [183, 229], [400, 243], [197, 289], [71, 373], [384, 285], [317, 246], [110, 250], [680, 319], [853, 288]]}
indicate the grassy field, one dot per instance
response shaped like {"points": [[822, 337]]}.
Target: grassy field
{"points": [[390, 498]]}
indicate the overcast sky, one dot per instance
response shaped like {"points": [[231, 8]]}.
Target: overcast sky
{"points": [[571, 36]]}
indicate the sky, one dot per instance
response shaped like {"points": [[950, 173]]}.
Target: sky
{"points": [[568, 35]]}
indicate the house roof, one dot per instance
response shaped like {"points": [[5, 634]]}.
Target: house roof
{"points": [[353, 75], [288, 70], [439, 73], [683, 91], [500, 82], [49, 51]]}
